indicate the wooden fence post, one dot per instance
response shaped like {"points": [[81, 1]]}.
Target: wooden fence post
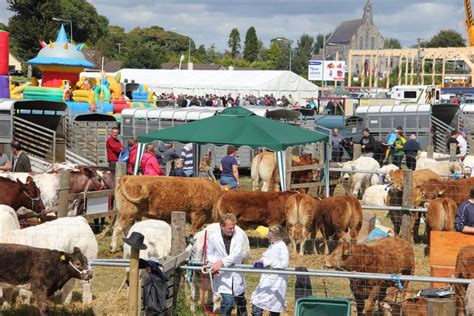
{"points": [[289, 164], [430, 151], [120, 170], [452, 150], [471, 146], [357, 151], [407, 202], [178, 231], [63, 195], [133, 293]]}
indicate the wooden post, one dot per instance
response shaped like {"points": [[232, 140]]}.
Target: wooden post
{"points": [[407, 203], [133, 281], [178, 231], [289, 164], [63, 196], [471, 146], [120, 170], [452, 151], [357, 151], [430, 151]]}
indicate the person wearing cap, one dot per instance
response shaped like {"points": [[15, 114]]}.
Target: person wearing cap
{"points": [[224, 250], [166, 152], [270, 293], [461, 138], [390, 140]]}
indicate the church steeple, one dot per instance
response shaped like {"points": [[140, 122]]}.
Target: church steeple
{"points": [[368, 13]]}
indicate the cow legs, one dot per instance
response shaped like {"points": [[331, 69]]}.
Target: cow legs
{"points": [[122, 225], [303, 243], [415, 221], [265, 186], [369, 304], [40, 293]]}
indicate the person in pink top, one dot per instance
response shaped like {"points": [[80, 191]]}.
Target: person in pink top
{"points": [[149, 164]]}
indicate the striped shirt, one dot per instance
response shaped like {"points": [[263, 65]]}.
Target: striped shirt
{"points": [[187, 156], [464, 216]]}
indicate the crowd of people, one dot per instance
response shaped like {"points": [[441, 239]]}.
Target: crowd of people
{"points": [[394, 147], [213, 100]]}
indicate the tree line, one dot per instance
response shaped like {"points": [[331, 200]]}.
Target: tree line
{"points": [[152, 46]]}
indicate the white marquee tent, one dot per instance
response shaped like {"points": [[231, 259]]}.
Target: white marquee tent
{"points": [[220, 82]]}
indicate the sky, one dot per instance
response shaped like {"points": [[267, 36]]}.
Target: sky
{"points": [[210, 21]]}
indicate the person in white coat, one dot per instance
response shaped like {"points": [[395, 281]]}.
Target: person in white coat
{"points": [[224, 249], [270, 293]]}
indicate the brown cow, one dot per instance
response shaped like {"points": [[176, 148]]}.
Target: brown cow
{"points": [[265, 169], [458, 190], [395, 194], [440, 216], [300, 212], [464, 270], [340, 215], [253, 208], [387, 256], [406, 302], [17, 194], [45, 270], [157, 197]]}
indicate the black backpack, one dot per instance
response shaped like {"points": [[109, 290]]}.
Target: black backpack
{"points": [[155, 292]]}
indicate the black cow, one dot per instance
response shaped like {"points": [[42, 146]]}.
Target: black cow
{"points": [[45, 270]]}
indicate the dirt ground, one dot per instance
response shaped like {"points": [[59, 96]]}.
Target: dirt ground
{"points": [[109, 300]]}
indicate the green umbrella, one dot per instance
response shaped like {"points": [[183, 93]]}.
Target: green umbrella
{"points": [[238, 127]]}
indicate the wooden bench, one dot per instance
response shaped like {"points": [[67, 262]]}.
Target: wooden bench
{"points": [[444, 250]]}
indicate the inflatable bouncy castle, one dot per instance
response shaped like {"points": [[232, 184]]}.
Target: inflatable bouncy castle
{"points": [[4, 51]]}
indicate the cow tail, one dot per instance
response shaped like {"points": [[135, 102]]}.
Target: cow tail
{"points": [[254, 172], [215, 211]]}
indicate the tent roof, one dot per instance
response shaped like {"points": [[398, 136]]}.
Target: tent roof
{"points": [[238, 127], [269, 80]]}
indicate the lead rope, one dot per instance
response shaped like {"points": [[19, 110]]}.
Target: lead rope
{"points": [[205, 270]]}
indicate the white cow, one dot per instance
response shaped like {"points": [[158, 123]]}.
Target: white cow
{"points": [[62, 234], [355, 182], [375, 195], [443, 168], [157, 239], [8, 219], [382, 176], [194, 279]]}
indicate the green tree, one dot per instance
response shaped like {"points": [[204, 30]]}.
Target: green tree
{"points": [[32, 20], [251, 45], [234, 43], [446, 38], [319, 43], [274, 53], [391, 43], [303, 52]]}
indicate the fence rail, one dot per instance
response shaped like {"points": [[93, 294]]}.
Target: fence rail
{"points": [[335, 274]]}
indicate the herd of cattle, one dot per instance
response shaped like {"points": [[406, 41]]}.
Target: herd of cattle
{"points": [[339, 217]]}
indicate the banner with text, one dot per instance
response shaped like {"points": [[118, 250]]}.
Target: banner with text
{"points": [[328, 70]]}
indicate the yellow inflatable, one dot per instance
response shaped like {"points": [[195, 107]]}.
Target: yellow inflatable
{"points": [[17, 92], [83, 96]]}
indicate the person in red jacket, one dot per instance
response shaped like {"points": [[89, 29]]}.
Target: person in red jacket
{"points": [[132, 155], [149, 164], [114, 147]]}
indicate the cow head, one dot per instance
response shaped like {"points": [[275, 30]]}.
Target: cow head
{"points": [[340, 257], [431, 190], [77, 264], [94, 180], [31, 195], [346, 176]]}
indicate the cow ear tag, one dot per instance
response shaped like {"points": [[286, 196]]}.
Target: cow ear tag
{"points": [[63, 258]]}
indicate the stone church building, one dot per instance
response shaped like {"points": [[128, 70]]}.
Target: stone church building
{"points": [[353, 34]]}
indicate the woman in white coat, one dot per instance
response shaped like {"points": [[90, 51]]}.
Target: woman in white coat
{"points": [[270, 294]]}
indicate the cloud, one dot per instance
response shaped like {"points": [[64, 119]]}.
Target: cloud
{"points": [[210, 21]]}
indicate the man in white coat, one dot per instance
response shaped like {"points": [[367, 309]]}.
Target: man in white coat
{"points": [[270, 293], [224, 250]]}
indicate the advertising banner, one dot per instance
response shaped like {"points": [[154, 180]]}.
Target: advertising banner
{"points": [[328, 70]]}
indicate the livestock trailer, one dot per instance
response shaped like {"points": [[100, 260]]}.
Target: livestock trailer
{"points": [[140, 121], [38, 125], [430, 123]]}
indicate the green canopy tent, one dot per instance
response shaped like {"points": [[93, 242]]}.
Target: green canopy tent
{"points": [[237, 126]]}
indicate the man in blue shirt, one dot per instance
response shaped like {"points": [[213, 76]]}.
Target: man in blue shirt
{"points": [[464, 222]]}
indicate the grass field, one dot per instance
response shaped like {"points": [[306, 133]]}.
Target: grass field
{"points": [[108, 300]]}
